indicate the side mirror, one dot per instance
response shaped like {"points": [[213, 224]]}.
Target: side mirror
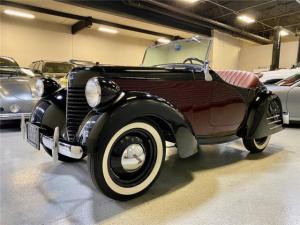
{"points": [[207, 75]]}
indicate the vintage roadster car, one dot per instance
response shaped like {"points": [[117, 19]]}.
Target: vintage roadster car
{"points": [[121, 117]]}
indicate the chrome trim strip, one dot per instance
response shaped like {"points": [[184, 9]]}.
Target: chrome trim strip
{"points": [[13, 116], [273, 117], [72, 151], [275, 127], [275, 121]]}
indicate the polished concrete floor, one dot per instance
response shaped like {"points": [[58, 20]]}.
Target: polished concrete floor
{"points": [[223, 184]]}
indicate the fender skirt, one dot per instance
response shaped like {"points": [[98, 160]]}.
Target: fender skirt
{"points": [[265, 117]]}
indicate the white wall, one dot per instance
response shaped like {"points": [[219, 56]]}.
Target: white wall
{"points": [[30, 40], [225, 51], [260, 56]]}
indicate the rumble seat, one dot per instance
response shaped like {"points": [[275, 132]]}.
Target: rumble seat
{"points": [[239, 78]]}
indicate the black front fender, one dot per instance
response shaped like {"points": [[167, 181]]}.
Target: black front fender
{"points": [[138, 106], [50, 112]]}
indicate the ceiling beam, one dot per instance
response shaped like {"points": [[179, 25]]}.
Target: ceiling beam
{"points": [[244, 9], [168, 10], [81, 25], [82, 18]]}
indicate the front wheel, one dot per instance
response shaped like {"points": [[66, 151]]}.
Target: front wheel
{"points": [[128, 161], [256, 145]]}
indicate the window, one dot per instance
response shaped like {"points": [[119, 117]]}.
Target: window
{"points": [[289, 81], [8, 62], [56, 67]]}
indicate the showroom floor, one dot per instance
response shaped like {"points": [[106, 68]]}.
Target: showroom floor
{"points": [[223, 184]]}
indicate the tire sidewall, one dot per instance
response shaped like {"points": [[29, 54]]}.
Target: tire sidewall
{"points": [[98, 161]]}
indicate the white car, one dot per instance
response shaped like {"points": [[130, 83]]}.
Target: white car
{"points": [[288, 90], [271, 77]]}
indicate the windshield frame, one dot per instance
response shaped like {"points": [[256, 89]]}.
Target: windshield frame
{"points": [[196, 38]]}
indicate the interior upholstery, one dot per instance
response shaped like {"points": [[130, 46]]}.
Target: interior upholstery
{"points": [[239, 78]]}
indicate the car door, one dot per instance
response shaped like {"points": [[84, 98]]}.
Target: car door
{"points": [[201, 96], [228, 108], [293, 102], [219, 108]]}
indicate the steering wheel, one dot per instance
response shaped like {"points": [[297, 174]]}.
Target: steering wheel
{"points": [[191, 59]]}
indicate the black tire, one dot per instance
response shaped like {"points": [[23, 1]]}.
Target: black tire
{"points": [[63, 158], [106, 163], [256, 145]]}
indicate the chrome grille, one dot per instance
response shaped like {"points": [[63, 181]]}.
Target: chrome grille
{"points": [[77, 108]]}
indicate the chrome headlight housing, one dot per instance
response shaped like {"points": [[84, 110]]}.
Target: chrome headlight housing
{"points": [[39, 88], [93, 92]]}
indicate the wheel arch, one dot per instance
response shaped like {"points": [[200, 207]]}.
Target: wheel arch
{"points": [[165, 116]]}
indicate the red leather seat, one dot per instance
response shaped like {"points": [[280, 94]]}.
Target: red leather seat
{"points": [[239, 78]]}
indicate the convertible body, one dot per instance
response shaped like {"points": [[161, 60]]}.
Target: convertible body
{"points": [[121, 117]]}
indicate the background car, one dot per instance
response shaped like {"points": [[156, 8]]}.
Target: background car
{"points": [[272, 77], [17, 90], [77, 63], [288, 90], [51, 69]]}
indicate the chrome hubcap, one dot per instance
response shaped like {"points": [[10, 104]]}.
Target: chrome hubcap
{"points": [[133, 158]]}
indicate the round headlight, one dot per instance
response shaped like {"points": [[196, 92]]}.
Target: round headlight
{"points": [[39, 88], [93, 92]]}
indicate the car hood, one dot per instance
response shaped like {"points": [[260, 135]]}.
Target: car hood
{"points": [[54, 75], [19, 87], [278, 74]]}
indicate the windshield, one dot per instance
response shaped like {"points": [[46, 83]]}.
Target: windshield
{"points": [[52, 67], [8, 62], [289, 81], [178, 52]]}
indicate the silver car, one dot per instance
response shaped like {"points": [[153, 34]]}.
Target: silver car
{"points": [[17, 90], [288, 91]]}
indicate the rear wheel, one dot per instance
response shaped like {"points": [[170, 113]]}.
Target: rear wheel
{"points": [[256, 145], [128, 162]]}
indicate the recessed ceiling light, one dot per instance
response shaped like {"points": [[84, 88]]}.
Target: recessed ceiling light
{"points": [[163, 40], [18, 13], [108, 30], [191, 1], [246, 19], [283, 33]]}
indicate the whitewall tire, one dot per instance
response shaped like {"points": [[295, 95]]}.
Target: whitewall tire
{"points": [[130, 160], [256, 145]]}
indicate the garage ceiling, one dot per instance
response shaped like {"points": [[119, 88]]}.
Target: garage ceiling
{"points": [[185, 15], [179, 17]]}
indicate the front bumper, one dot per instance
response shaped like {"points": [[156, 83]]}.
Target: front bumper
{"points": [[72, 151], [14, 116], [52, 143]]}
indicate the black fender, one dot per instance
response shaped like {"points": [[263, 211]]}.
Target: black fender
{"points": [[133, 106], [265, 116], [50, 112]]}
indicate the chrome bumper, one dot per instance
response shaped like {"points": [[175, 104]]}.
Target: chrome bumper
{"points": [[286, 118], [65, 149], [13, 116]]}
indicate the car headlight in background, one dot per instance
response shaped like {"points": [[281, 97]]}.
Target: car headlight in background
{"points": [[14, 108], [39, 88], [93, 92]]}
